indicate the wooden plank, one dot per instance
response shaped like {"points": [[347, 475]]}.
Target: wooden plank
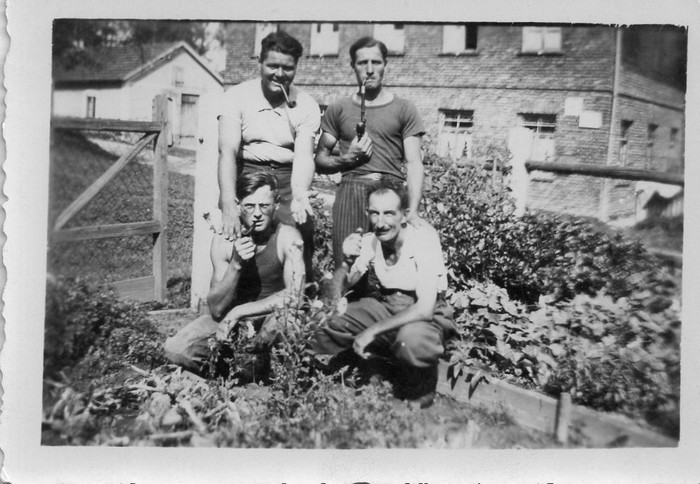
{"points": [[106, 231], [91, 191], [105, 124], [160, 197], [534, 410], [606, 171], [138, 289], [529, 409]]}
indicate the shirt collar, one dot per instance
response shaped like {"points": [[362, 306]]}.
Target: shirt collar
{"points": [[261, 102]]}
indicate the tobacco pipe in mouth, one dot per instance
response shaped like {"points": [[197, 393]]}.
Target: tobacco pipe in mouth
{"points": [[290, 103]]}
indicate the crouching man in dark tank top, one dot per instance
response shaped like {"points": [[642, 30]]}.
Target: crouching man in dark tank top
{"points": [[253, 275]]}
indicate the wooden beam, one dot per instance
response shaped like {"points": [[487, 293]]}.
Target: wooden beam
{"points": [[605, 171], [535, 410], [139, 289], [91, 191], [160, 197], [105, 124], [106, 231]]}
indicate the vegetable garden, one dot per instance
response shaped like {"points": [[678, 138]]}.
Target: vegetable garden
{"points": [[549, 302]]}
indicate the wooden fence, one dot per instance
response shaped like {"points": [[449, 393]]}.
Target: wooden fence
{"points": [[616, 172], [152, 287]]}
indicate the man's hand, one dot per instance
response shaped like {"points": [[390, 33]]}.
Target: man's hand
{"points": [[301, 208], [230, 222], [224, 328], [363, 340], [352, 245], [245, 248], [360, 150], [414, 219]]}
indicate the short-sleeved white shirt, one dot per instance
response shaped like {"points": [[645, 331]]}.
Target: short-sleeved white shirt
{"points": [[420, 257], [267, 133]]}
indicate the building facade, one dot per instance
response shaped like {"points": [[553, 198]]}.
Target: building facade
{"points": [[587, 93]]}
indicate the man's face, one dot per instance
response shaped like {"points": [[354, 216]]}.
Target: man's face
{"points": [[258, 209], [386, 218], [369, 65], [277, 69]]}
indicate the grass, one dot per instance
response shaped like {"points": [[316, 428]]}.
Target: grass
{"points": [[76, 162]]}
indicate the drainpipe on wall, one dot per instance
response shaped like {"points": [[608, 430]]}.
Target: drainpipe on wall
{"points": [[604, 204]]}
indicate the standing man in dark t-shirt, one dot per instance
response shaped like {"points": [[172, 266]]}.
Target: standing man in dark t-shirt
{"points": [[252, 276], [392, 136]]}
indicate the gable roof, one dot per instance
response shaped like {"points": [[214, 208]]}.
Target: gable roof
{"points": [[123, 63]]}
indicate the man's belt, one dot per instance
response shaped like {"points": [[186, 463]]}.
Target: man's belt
{"points": [[370, 177], [273, 165]]}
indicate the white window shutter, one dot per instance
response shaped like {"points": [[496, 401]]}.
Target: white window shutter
{"points": [[262, 30], [324, 40], [453, 39], [391, 36], [552, 39], [532, 39]]}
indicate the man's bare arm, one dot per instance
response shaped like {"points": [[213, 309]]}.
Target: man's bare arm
{"points": [[303, 169], [358, 151], [229, 144], [414, 174], [290, 251], [225, 277]]}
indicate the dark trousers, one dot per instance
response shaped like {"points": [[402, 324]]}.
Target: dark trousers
{"points": [[418, 344]]}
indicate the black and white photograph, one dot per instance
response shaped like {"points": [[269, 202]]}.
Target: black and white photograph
{"points": [[322, 245]]}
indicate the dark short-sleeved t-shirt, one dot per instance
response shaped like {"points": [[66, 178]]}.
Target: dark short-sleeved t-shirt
{"points": [[388, 125]]}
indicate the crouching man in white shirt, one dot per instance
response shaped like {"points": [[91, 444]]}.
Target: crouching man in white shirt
{"points": [[406, 316]]}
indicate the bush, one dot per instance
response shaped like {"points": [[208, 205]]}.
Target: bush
{"points": [[610, 355], [530, 256], [88, 329]]}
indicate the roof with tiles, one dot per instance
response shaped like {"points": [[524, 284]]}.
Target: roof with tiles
{"points": [[121, 63]]}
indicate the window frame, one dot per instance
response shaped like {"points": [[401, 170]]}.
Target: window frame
{"points": [[462, 31], [544, 131], [319, 39], [91, 106], [652, 130], [530, 34], [464, 125], [625, 127]]}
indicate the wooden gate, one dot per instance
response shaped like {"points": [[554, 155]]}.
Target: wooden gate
{"points": [[145, 288]]}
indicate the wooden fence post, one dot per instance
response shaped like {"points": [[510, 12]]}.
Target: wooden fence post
{"points": [[160, 197]]}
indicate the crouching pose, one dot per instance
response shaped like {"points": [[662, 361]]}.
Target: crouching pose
{"points": [[252, 276], [405, 317]]}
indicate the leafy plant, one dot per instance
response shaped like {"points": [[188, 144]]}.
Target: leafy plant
{"points": [[89, 329]]}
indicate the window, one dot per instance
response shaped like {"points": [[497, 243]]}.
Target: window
{"points": [[392, 35], [651, 138], [459, 38], [455, 137], [90, 112], [625, 126], [324, 39], [673, 139], [541, 40], [262, 30], [178, 76], [543, 127]]}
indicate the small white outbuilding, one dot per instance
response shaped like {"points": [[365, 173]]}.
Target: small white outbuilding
{"points": [[120, 82]]}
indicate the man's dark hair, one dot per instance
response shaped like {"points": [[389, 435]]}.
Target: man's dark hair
{"points": [[367, 42], [249, 183], [388, 185], [281, 42]]}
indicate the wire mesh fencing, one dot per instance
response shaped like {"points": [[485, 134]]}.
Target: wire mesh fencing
{"points": [[78, 159]]}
